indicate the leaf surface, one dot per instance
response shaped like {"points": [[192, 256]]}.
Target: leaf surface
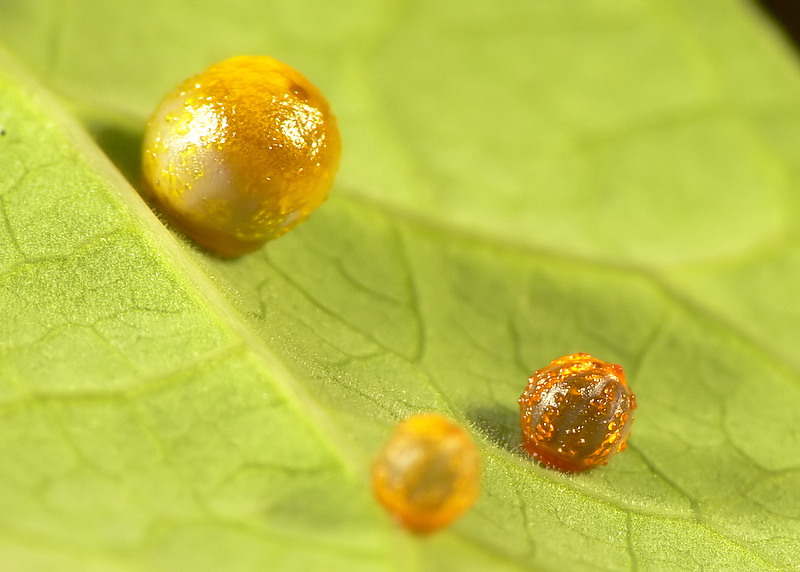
{"points": [[520, 181]]}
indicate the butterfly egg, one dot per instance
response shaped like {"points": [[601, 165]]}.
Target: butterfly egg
{"points": [[241, 153], [428, 473], [576, 413]]}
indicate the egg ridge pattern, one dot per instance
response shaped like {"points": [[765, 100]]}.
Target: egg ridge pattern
{"points": [[576, 413], [241, 153], [428, 473]]}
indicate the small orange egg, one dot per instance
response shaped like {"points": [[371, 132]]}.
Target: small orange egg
{"points": [[576, 413], [428, 473], [241, 153]]}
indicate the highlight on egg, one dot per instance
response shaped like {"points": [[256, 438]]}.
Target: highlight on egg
{"points": [[576, 413], [241, 153]]}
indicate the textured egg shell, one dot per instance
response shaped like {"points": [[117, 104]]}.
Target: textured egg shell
{"points": [[428, 473], [576, 413], [241, 153]]}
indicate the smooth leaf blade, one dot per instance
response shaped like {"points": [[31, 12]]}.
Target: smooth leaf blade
{"points": [[520, 181]]}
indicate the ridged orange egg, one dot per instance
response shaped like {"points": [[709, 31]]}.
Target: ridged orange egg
{"points": [[428, 473], [576, 413]]}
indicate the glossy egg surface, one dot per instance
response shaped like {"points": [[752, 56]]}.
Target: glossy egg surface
{"points": [[576, 413], [428, 473], [241, 153]]}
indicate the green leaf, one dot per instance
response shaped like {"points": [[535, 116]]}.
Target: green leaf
{"points": [[521, 180]]}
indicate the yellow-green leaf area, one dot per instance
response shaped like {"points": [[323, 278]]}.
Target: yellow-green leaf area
{"points": [[520, 180]]}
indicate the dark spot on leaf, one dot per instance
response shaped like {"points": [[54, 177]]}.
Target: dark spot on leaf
{"points": [[786, 14]]}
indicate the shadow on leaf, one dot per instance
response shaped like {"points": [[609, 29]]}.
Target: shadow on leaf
{"points": [[499, 424], [123, 146]]}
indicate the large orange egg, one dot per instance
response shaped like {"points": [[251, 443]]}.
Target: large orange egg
{"points": [[241, 153]]}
